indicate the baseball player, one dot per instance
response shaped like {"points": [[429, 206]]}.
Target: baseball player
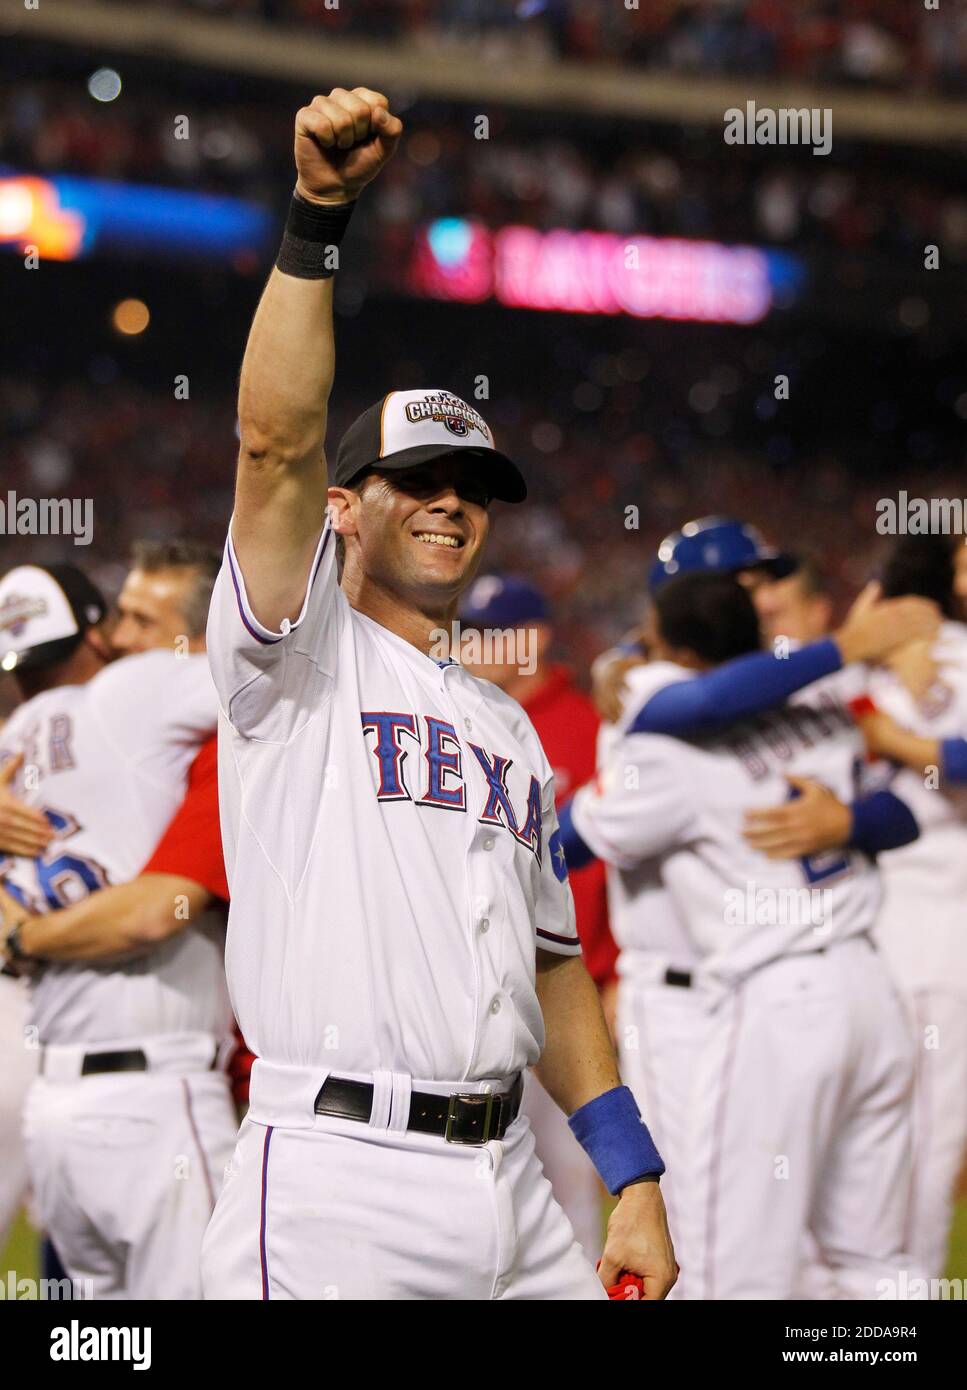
{"points": [[921, 700], [921, 683], [130, 1123], [163, 605], [165, 597], [19, 1066], [511, 621], [659, 1014], [23, 830], [796, 607], [801, 1018], [716, 544], [401, 941]]}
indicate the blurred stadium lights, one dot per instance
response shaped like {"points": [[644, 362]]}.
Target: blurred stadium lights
{"points": [[601, 273], [130, 317], [104, 85], [68, 218]]}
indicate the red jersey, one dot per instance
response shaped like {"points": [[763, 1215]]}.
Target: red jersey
{"points": [[567, 725], [192, 845]]}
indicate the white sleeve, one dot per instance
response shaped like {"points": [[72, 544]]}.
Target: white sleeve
{"points": [[270, 684], [644, 681], [637, 807], [11, 736]]}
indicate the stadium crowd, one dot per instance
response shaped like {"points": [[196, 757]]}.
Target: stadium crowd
{"points": [[669, 183], [603, 489], [880, 43]]}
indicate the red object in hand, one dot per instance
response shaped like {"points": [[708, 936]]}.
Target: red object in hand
{"points": [[628, 1288], [861, 707]]}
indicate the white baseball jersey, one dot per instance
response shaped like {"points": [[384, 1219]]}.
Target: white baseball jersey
{"points": [[111, 760], [685, 801], [641, 912], [390, 841], [923, 921]]}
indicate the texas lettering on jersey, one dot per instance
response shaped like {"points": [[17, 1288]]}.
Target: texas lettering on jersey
{"points": [[441, 782]]}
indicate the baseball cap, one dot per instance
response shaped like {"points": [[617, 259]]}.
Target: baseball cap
{"points": [[503, 600], [407, 428], [44, 612], [717, 543]]}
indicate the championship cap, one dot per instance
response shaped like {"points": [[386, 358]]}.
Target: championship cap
{"points": [[44, 612], [503, 600], [407, 428], [716, 544]]}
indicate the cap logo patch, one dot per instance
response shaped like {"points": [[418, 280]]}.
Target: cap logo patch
{"points": [[17, 610], [450, 411]]}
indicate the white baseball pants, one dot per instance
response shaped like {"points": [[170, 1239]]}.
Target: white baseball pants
{"points": [[126, 1166], [938, 1020], [573, 1177], [660, 1029], [324, 1208], [18, 1067], [794, 1118]]}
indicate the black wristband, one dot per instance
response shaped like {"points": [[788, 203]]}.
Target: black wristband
{"points": [[313, 231]]}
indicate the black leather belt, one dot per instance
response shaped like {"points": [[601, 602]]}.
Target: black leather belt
{"points": [[103, 1063], [684, 979], [461, 1118], [97, 1063], [681, 978]]}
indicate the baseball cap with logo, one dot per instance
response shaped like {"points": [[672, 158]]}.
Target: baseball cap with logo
{"points": [[44, 612], [407, 428]]}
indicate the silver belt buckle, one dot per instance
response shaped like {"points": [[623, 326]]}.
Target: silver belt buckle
{"points": [[484, 1098]]}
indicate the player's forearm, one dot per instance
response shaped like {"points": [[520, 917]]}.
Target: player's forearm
{"points": [[578, 1061], [287, 375], [129, 918], [920, 754], [280, 491]]}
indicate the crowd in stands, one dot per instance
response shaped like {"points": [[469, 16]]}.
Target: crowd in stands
{"points": [[880, 43], [603, 487], [660, 181]]}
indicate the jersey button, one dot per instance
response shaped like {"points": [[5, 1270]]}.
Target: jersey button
{"points": [[485, 924], [488, 843], [468, 725], [495, 1007]]}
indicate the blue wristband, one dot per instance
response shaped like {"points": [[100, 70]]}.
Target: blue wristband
{"points": [[881, 821], [612, 1133], [953, 758]]}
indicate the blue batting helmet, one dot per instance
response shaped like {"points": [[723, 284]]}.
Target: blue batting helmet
{"points": [[716, 543], [503, 600]]}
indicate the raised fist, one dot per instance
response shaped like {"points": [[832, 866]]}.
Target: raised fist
{"points": [[341, 143]]}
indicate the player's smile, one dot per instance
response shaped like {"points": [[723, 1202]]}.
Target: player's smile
{"points": [[443, 538]]}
